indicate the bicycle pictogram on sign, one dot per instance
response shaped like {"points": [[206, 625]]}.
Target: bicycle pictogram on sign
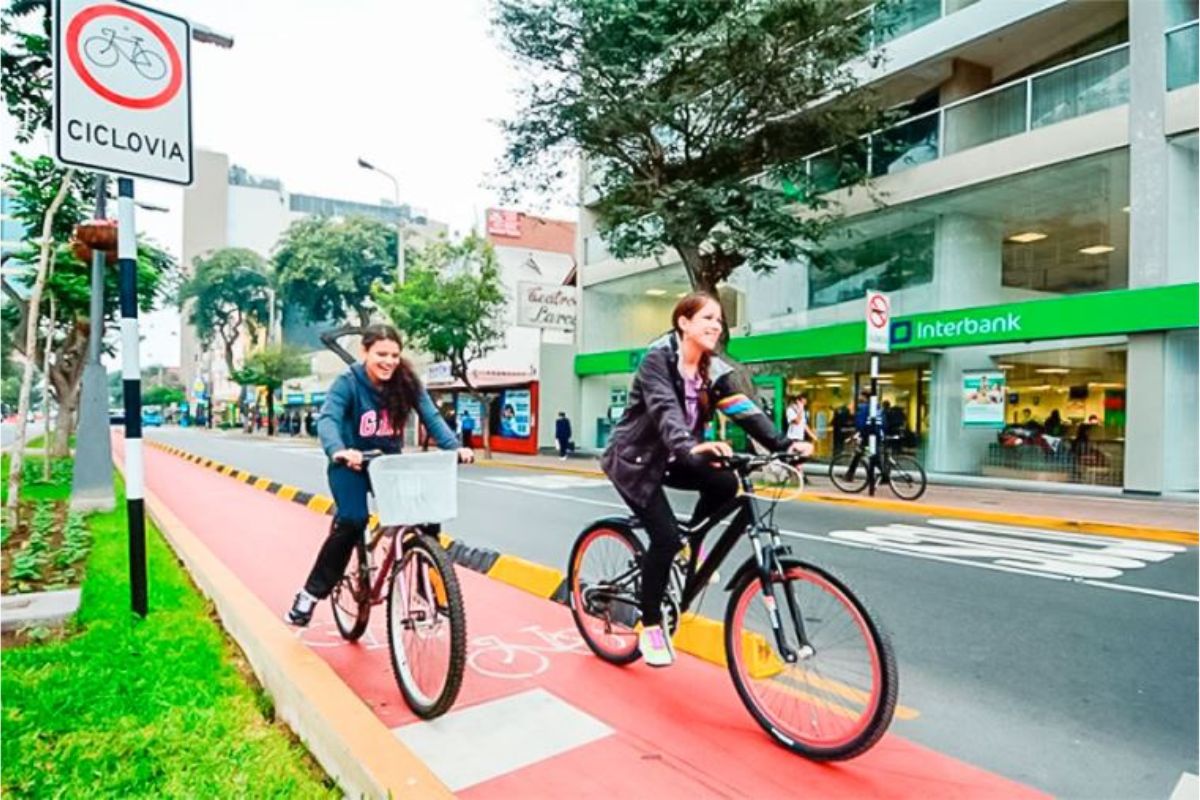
{"points": [[877, 310], [124, 56]]}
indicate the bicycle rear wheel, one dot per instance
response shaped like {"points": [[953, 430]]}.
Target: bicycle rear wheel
{"points": [[837, 699], [427, 627], [906, 476], [848, 471], [351, 597], [604, 587]]}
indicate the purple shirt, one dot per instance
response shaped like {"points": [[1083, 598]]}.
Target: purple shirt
{"points": [[691, 400]]}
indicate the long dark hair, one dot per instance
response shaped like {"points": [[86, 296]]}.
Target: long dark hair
{"points": [[399, 394], [687, 308]]}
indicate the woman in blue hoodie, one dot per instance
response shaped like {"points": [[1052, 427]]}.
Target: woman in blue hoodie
{"points": [[365, 409]]}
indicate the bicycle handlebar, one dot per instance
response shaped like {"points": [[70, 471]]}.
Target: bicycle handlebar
{"points": [[749, 463]]}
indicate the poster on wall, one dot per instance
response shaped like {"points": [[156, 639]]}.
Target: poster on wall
{"points": [[464, 405], [983, 399], [515, 417]]}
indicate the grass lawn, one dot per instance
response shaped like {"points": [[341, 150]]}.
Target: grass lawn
{"points": [[124, 707], [39, 441]]}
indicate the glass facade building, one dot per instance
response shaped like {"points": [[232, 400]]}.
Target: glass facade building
{"points": [[1019, 238]]}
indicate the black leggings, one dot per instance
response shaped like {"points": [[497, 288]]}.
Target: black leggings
{"points": [[716, 486]]}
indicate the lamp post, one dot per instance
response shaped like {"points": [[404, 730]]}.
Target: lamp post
{"points": [[362, 162]]}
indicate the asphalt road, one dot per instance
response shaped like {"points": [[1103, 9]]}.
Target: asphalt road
{"points": [[1065, 661]]}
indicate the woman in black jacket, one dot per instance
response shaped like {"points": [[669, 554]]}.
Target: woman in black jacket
{"points": [[659, 443]]}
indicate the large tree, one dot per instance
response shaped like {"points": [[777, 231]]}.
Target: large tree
{"points": [[694, 118], [228, 296], [326, 269], [270, 368], [451, 305]]}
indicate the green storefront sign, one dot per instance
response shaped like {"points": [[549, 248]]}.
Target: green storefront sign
{"points": [[1124, 311]]}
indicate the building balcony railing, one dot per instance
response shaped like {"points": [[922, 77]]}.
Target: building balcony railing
{"points": [[1083, 86], [1183, 67]]}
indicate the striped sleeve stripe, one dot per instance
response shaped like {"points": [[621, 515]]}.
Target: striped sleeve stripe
{"points": [[737, 405]]}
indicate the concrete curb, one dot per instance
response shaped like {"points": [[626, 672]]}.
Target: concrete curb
{"points": [[352, 745], [32, 609], [1116, 529]]}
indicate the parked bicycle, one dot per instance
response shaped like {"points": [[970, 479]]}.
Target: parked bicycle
{"points": [[850, 469], [426, 624], [808, 661]]}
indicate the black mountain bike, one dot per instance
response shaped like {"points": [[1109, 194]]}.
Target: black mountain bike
{"points": [[809, 663], [849, 470]]}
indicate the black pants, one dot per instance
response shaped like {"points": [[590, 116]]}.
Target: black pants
{"points": [[350, 489], [563, 446], [716, 486]]}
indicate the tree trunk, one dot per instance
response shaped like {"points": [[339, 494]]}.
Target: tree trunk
{"points": [[67, 378], [47, 347], [485, 424], [35, 300], [270, 411]]}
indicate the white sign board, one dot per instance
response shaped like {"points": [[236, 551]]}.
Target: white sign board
{"points": [[122, 90], [879, 315], [547, 305]]}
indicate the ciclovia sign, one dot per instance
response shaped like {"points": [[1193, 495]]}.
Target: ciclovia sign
{"points": [[879, 313], [122, 94]]}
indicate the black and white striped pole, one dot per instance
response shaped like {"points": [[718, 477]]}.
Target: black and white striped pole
{"points": [[131, 373]]}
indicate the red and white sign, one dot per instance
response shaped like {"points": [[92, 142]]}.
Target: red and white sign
{"points": [[503, 223], [879, 314], [122, 90]]}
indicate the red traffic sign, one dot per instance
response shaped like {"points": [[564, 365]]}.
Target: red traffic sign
{"points": [[93, 56], [878, 308], [879, 312]]}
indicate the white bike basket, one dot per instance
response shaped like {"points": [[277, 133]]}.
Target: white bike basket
{"points": [[415, 488]]}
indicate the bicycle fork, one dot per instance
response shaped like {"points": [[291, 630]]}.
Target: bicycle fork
{"points": [[767, 561]]}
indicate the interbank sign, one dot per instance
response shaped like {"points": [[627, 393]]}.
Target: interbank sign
{"points": [[1124, 311]]}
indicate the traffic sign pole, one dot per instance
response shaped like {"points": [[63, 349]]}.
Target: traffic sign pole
{"points": [[878, 318], [131, 373]]}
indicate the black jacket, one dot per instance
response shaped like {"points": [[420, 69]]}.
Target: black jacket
{"points": [[562, 429], [654, 428]]}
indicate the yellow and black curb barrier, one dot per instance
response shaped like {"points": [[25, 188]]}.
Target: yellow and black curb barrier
{"points": [[699, 636]]}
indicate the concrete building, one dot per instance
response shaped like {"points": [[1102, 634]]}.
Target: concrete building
{"points": [[227, 206], [530, 375], [1039, 231]]}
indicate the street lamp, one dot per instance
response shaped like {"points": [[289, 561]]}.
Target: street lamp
{"points": [[362, 162]]}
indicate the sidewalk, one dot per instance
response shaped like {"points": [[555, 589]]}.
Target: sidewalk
{"points": [[1002, 505]]}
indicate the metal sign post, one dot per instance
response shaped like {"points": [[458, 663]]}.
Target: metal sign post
{"points": [[123, 106], [879, 311]]}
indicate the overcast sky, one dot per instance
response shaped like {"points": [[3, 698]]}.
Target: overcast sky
{"points": [[312, 85]]}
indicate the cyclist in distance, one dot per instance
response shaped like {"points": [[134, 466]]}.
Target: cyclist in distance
{"points": [[366, 409], [659, 442]]}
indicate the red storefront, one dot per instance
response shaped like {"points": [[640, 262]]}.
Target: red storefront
{"points": [[513, 398]]}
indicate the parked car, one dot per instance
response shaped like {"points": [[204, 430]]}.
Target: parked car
{"points": [[151, 418]]}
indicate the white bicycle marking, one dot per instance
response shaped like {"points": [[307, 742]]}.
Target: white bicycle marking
{"points": [[494, 657]]}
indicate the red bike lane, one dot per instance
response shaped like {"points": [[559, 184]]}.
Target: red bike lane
{"points": [[538, 715]]}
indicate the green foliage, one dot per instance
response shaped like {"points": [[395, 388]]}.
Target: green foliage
{"points": [[327, 267], [231, 293], [34, 182], [162, 395], [25, 67], [271, 367], [451, 302], [694, 118], [155, 708]]}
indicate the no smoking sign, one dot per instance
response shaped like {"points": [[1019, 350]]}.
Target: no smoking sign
{"points": [[122, 90]]}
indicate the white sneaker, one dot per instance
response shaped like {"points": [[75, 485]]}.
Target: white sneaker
{"points": [[656, 647]]}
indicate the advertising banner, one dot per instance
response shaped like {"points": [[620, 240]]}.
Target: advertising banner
{"points": [[983, 399], [516, 420]]}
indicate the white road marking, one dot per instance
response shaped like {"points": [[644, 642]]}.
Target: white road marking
{"points": [[552, 481], [945, 559], [471, 745]]}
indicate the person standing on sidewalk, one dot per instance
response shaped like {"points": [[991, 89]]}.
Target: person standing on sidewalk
{"points": [[798, 429], [366, 409], [562, 434]]}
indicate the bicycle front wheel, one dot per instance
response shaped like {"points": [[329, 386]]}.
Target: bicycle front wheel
{"points": [[427, 628], [604, 585], [837, 698], [848, 471], [351, 597], [906, 476]]}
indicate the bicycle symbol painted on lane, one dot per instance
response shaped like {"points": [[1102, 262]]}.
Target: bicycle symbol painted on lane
{"points": [[106, 50]]}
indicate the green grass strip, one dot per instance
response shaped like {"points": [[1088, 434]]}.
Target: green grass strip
{"points": [[127, 708]]}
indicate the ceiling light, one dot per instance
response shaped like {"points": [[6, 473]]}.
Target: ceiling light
{"points": [[1052, 370], [682, 294], [829, 372], [1005, 366], [656, 292], [1027, 237], [1125, 209], [1097, 249]]}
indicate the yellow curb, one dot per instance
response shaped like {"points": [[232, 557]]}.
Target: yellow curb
{"points": [[1119, 530], [352, 745], [286, 492], [320, 503], [533, 578], [262, 483]]}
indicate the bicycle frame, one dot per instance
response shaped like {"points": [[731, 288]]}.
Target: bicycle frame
{"points": [[389, 559]]}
